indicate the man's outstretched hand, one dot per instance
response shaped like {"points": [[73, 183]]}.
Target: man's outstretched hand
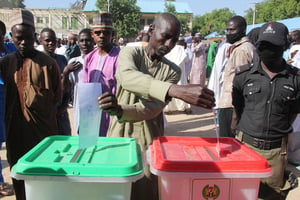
{"points": [[193, 94]]}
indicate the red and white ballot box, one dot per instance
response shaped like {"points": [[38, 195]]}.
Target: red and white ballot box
{"points": [[193, 168]]}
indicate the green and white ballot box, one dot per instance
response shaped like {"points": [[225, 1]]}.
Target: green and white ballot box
{"points": [[56, 169]]}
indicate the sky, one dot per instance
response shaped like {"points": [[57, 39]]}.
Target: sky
{"points": [[199, 7]]}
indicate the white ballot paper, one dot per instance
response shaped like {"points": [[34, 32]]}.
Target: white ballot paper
{"points": [[89, 113]]}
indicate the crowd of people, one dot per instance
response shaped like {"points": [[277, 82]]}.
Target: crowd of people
{"points": [[245, 78]]}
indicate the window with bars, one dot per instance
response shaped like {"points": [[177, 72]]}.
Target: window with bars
{"points": [[42, 20], [74, 23], [39, 20], [64, 23]]}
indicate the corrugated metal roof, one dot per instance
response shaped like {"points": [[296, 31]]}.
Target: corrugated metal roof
{"points": [[214, 35], [291, 24], [147, 6]]}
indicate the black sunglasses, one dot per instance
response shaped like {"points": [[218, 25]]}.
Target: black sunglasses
{"points": [[105, 32]]}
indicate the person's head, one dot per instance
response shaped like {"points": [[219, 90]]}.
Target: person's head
{"points": [[271, 43], [2, 31], [102, 31], [295, 36], [22, 31], [253, 35], [64, 41], [181, 41], [72, 38], [197, 37], [48, 40], [121, 41], [2, 28], [37, 36], [58, 42], [145, 36], [164, 34], [85, 41], [235, 29]]}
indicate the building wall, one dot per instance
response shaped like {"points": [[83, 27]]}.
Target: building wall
{"points": [[61, 21], [65, 21]]}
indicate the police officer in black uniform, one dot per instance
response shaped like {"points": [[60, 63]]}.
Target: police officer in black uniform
{"points": [[266, 99]]}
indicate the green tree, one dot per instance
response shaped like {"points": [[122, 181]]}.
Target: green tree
{"points": [[183, 19], [170, 8], [211, 22], [17, 3], [249, 16], [4, 4], [272, 10], [126, 16]]}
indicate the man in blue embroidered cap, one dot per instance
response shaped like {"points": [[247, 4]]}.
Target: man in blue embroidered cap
{"points": [[102, 20], [266, 100], [32, 90]]}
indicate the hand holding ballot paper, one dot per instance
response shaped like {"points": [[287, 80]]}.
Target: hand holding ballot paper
{"points": [[90, 114], [109, 103]]}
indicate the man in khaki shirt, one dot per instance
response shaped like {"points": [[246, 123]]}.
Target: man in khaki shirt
{"points": [[146, 81], [240, 53]]}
